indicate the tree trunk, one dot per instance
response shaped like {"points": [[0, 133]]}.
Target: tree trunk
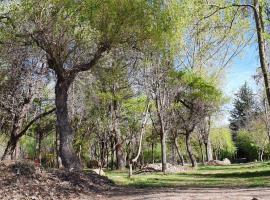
{"points": [[209, 151], [173, 153], [179, 152], [39, 137], [152, 149], [112, 153], [15, 134], [119, 151], [66, 134], [261, 44], [163, 151], [11, 145], [202, 152], [260, 155], [189, 150], [120, 156]]}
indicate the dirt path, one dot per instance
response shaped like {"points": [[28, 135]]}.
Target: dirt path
{"points": [[190, 194]]}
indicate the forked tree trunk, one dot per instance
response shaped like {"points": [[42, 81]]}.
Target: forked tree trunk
{"points": [[189, 151], [66, 134]]}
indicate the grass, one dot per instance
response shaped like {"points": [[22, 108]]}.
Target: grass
{"points": [[236, 175]]}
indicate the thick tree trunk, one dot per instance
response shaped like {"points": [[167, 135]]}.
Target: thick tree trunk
{"points": [[209, 151], [119, 151], [11, 145], [181, 158], [67, 154], [120, 156], [189, 151]]}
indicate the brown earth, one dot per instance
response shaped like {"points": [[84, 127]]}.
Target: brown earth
{"points": [[191, 194]]}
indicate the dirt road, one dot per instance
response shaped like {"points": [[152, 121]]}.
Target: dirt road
{"points": [[190, 194]]}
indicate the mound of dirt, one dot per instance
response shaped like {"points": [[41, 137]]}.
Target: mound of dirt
{"points": [[157, 167], [23, 180]]}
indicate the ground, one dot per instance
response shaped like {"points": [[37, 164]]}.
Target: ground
{"points": [[235, 182], [191, 194]]}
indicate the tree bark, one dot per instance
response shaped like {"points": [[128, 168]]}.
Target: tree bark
{"points": [[112, 153], [120, 156], [119, 151], [66, 134], [163, 151], [202, 152], [261, 44], [209, 151], [152, 149], [179, 152], [189, 150]]}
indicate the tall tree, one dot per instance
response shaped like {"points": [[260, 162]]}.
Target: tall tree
{"points": [[244, 109]]}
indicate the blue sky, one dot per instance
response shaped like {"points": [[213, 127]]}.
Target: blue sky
{"points": [[241, 70]]}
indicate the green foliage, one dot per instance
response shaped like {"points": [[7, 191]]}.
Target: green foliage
{"points": [[147, 153], [222, 143], [196, 86], [89, 22], [244, 108], [245, 147], [252, 142]]}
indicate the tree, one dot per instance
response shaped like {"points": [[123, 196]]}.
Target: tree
{"points": [[204, 129], [195, 98], [244, 109]]}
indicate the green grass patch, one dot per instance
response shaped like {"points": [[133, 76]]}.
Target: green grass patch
{"points": [[236, 175]]}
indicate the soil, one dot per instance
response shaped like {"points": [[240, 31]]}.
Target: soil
{"points": [[191, 194]]}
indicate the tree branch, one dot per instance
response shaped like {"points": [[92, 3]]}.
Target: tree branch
{"points": [[34, 120], [86, 66]]}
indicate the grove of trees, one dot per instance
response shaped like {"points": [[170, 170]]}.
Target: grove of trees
{"points": [[130, 82]]}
